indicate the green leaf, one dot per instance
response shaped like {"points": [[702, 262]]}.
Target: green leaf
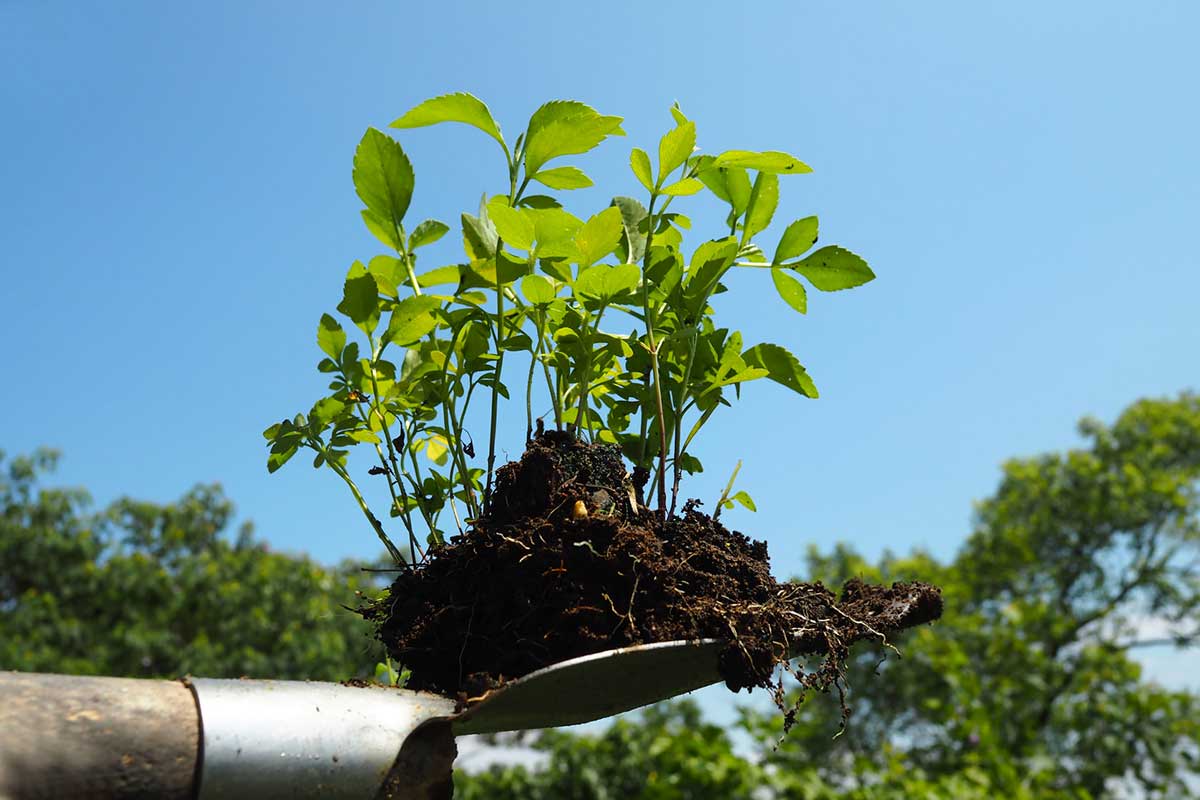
{"points": [[604, 283], [763, 201], [427, 232], [382, 229], [554, 231], [326, 410], [563, 178], [684, 187], [791, 290], [833, 268], [449, 274], [411, 319], [633, 243], [389, 272], [513, 225], [537, 290], [458, 107], [277, 460], [771, 161], [360, 299], [565, 127], [639, 162], [674, 149], [745, 500], [799, 236], [383, 179], [599, 236], [330, 336], [677, 114], [782, 367], [479, 237]]}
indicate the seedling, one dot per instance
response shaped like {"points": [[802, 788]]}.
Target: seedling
{"points": [[612, 311]]}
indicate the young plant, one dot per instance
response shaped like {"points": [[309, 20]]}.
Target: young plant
{"points": [[614, 316]]}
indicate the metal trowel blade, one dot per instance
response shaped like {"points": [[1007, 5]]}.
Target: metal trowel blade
{"points": [[593, 687]]}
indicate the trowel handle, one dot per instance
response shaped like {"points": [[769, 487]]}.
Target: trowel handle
{"points": [[85, 737]]}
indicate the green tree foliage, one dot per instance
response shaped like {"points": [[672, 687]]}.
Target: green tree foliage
{"points": [[668, 753], [147, 590], [1027, 687]]}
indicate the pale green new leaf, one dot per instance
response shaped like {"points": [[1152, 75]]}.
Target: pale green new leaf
{"points": [[412, 318], [791, 290], [563, 178], [537, 290], [330, 337], [639, 162], [763, 201], [744, 499], [833, 268], [799, 236], [383, 178], [599, 236], [427, 232], [389, 272], [677, 114], [565, 127], [458, 107], [782, 367], [770, 161], [674, 148], [513, 225], [684, 187]]}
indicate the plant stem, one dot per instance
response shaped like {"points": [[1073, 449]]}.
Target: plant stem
{"points": [[653, 349], [728, 489]]}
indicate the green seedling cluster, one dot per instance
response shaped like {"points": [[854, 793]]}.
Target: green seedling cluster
{"points": [[612, 314]]}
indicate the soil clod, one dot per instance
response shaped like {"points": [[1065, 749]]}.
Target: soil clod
{"points": [[567, 562]]}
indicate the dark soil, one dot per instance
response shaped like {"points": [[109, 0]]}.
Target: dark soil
{"points": [[567, 563]]}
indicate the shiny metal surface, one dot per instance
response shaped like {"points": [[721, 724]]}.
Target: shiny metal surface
{"points": [[294, 740], [595, 686]]}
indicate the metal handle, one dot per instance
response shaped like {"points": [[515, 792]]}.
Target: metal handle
{"points": [[108, 738]]}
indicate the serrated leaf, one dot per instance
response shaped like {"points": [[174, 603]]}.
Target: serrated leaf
{"points": [[633, 242], [684, 187], [833, 268], [771, 161], [599, 236], [782, 367], [763, 201], [799, 236], [674, 149], [383, 178], [427, 232], [479, 237], [791, 290], [457, 107], [513, 225], [330, 336], [639, 162], [411, 319], [563, 178], [537, 290], [565, 127], [360, 299]]}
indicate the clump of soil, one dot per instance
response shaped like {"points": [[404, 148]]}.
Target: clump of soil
{"points": [[567, 563]]}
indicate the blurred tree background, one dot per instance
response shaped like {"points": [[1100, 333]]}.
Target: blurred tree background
{"points": [[1027, 688]]}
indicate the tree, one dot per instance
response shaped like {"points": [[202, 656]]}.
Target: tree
{"points": [[148, 590], [667, 753], [1025, 689]]}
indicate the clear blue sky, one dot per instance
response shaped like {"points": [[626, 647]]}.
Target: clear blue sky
{"points": [[177, 212]]}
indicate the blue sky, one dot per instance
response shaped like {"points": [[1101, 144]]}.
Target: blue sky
{"points": [[177, 212]]}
